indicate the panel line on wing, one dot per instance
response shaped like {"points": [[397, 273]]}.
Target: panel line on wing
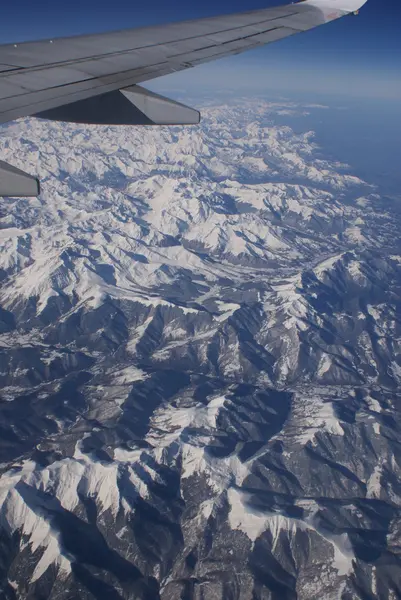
{"points": [[224, 43], [9, 68], [246, 37]]}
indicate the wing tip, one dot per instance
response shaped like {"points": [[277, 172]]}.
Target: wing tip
{"points": [[346, 6]]}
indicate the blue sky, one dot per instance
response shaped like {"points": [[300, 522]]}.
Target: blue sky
{"points": [[360, 57]]}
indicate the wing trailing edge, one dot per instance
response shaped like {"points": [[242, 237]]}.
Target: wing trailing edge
{"points": [[133, 105]]}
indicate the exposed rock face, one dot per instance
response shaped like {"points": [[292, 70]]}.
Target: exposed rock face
{"points": [[200, 364]]}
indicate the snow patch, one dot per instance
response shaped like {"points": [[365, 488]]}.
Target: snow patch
{"points": [[324, 365], [374, 483], [312, 416]]}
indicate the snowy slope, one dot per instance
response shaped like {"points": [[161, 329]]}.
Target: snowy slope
{"points": [[200, 365]]}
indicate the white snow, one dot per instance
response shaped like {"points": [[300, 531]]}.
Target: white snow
{"points": [[228, 309], [343, 554], [254, 523], [52, 554], [324, 365], [128, 375], [100, 482], [68, 233], [169, 228], [374, 483], [374, 312], [355, 234], [396, 369], [17, 515], [373, 404], [249, 522], [313, 415], [327, 264], [374, 581]]}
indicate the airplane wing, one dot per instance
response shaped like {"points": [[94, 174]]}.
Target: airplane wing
{"points": [[94, 78]]}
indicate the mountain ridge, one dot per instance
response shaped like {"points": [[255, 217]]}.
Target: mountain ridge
{"points": [[200, 365]]}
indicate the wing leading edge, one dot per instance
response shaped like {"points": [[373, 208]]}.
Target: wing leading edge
{"points": [[93, 79]]}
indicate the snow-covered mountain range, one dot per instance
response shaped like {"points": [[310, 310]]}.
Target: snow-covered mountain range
{"points": [[200, 363]]}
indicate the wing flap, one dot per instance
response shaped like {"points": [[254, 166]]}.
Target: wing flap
{"points": [[131, 106], [160, 110], [14, 182]]}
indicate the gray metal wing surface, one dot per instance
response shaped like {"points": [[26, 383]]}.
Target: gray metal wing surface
{"points": [[57, 78]]}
